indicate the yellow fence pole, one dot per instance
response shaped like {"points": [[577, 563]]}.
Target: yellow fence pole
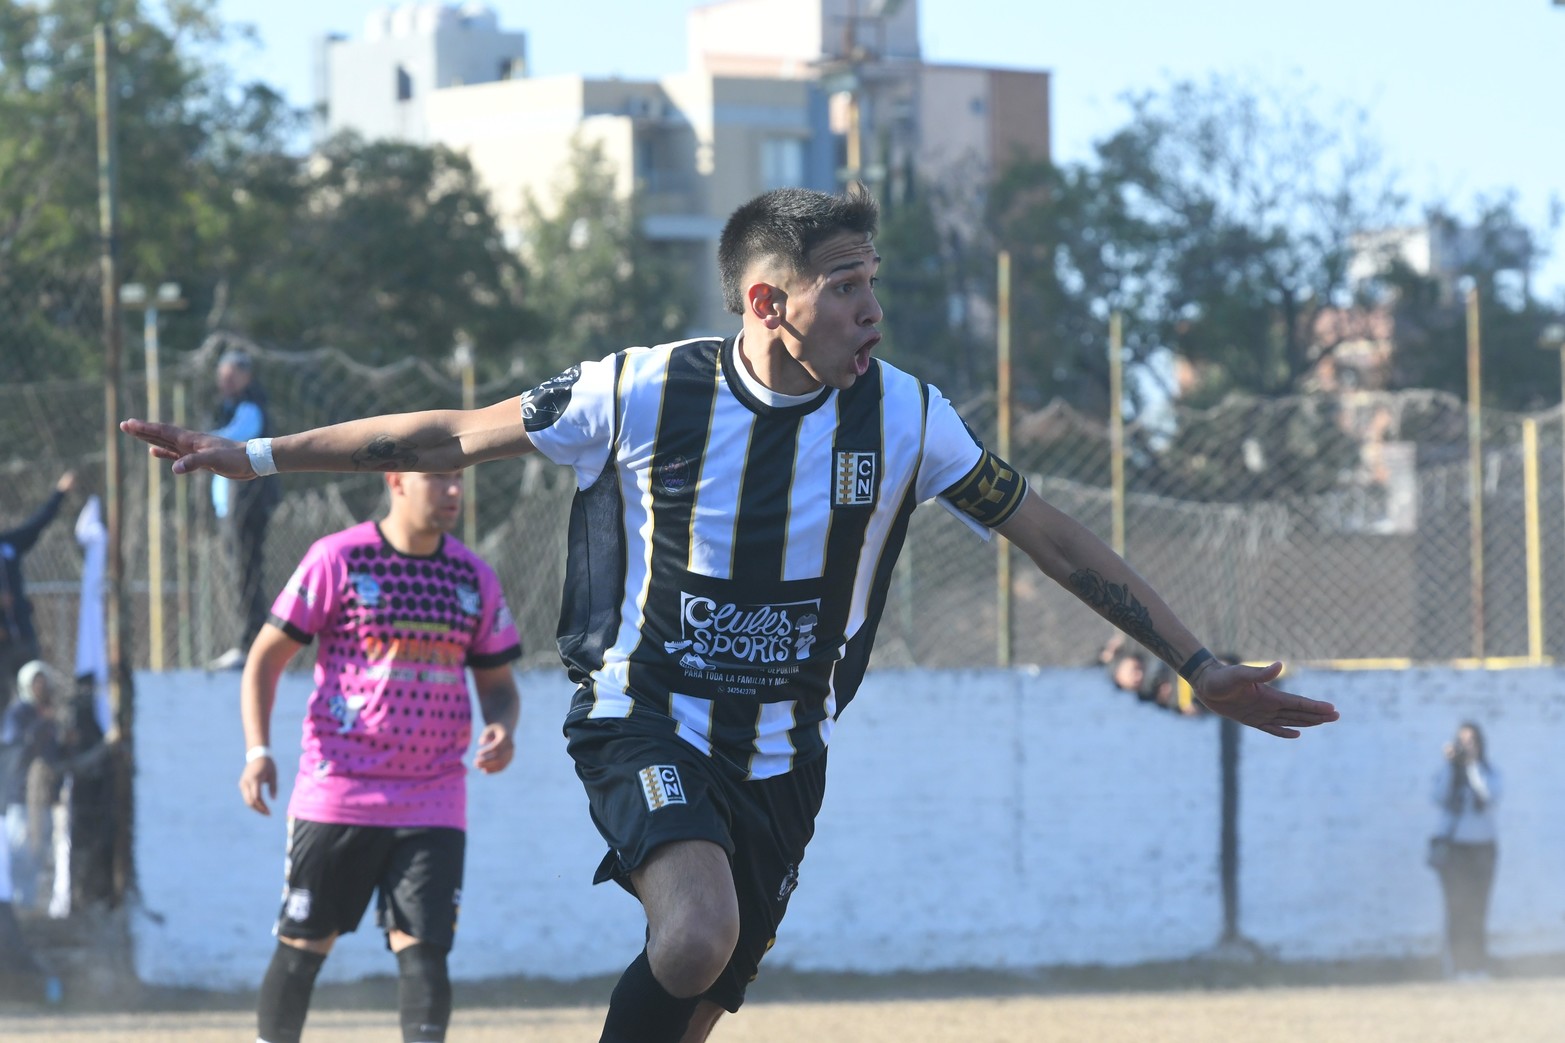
{"points": [[1534, 540], [1117, 430], [1475, 469], [1003, 438]]}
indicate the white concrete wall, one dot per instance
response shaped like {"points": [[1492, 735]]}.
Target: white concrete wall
{"points": [[981, 820]]}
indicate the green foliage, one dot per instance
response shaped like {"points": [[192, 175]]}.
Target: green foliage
{"points": [[384, 250], [922, 281], [599, 283]]}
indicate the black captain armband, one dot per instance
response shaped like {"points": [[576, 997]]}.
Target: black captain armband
{"points": [[990, 492]]}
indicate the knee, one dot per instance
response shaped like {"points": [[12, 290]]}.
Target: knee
{"points": [[688, 954]]}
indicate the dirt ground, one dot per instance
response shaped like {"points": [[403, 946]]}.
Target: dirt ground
{"points": [[1182, 1007]]}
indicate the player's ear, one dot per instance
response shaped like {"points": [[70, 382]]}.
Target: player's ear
{"points": [[394, 484], [766, 301]]}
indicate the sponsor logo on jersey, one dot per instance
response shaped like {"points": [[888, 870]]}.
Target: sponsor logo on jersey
{"points": [[367, 587], [854, 481], [502, 617], [467, 597], [546, 403], [297, 908], [718, 633], [661, 786], [673, 474]]}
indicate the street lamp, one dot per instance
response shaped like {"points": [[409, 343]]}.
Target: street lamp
{"points": [[134, 295]]}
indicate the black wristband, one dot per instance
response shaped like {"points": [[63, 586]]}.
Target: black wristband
{"points": [[1194, 663]]}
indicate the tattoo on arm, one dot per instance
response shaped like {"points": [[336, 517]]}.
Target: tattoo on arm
{"points": [[384, 453], [1115, 602]]}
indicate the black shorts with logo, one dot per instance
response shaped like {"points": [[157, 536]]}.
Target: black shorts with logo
{"points": [[646, 789], [332, 870]]}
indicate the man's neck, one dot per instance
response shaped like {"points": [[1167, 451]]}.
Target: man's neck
{"points": [[406, 539], [765, 358]]}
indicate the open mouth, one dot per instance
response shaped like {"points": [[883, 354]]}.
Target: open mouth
{"points": [[861, 356]]}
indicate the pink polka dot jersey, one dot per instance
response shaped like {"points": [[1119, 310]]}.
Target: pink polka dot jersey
{"points": [[390, 717]]}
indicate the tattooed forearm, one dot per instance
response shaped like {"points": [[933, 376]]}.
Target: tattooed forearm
{"points": [[384, 453], [1115, 602]]}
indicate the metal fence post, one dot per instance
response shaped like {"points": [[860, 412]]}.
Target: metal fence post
{"points": [[1117, 431], [1003, 441], [1475, 468], [1534, 540]]}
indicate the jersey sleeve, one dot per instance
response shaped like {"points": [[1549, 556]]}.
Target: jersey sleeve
{"points": [[496, 642], [570, 417], [309, 599], [973, 483]]}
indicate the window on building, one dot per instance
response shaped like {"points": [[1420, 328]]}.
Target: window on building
{"points": [[782, 163], [404, 84]]}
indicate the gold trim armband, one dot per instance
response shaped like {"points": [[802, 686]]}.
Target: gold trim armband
{"points": [[990, 492]]}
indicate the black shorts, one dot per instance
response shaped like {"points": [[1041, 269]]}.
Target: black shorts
{"points": [[645, 790], [332, 869]]}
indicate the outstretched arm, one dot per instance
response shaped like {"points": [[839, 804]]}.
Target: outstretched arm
{"points": [[432, 440], [1068, 553]]}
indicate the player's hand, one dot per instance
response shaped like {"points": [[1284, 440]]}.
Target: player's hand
{"points": [[1245, 694], [66, 483], [192, 450], [259, 774], [495, 749]]}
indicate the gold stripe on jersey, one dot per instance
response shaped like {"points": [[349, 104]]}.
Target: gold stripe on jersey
{"points": [[990, 492]]}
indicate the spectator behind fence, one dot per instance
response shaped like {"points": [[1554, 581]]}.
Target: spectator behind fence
{"points": [[1463, 852], [243, 508], [18, 638], [90, 804], [28, 739]]}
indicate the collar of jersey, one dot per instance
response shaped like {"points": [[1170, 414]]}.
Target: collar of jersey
{"points": [[440, 548], [755, 405]]}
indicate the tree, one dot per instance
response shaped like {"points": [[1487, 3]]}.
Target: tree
{"points": [[923, 290], [600, 283], [1255, 202], [388, 250], [171, 108]]}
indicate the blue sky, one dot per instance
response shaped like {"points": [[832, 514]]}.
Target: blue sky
{"points": [[1467, 99]]}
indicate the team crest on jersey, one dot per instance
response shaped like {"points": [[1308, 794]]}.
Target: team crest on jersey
{"points": [[367, 587], [297, 908], [661, 786], [853, 483], [546, 403], [673, 474], [467, 597]]}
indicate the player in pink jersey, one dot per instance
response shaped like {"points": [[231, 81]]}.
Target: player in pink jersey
{"points": [[402, 611]]}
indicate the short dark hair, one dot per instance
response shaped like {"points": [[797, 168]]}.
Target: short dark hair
{"points": [[788, 223]]}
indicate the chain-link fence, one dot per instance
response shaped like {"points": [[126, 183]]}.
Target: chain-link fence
{"points": [[1313, 528]]}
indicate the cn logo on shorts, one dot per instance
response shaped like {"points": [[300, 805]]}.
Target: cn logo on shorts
{"points": [[661, 786]]}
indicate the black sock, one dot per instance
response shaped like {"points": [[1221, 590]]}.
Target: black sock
{"points": [[285, 993], [642, 1011], [423, 993]]}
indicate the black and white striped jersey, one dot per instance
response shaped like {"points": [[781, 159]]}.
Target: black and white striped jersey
{"points": [[729, 558]]}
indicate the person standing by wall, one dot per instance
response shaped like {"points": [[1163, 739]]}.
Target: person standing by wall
{"points": [[1466, 789], [18, 638], [243, 508]]}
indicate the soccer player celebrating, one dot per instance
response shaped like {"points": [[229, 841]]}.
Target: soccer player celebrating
{"points": [[741, 505], [402, 611]]}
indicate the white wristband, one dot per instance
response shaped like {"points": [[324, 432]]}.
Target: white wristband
{"points": [[255, 753], [259, 450]]}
